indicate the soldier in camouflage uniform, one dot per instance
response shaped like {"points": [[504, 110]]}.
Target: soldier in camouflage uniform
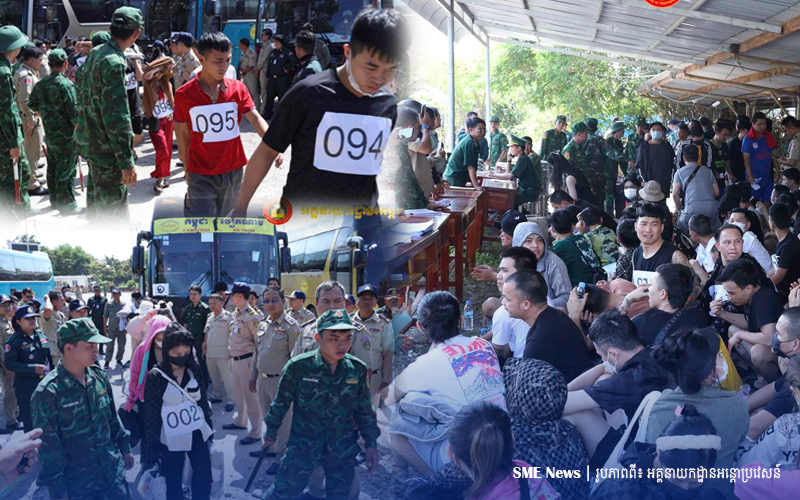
{"points": [[328, 388], [632, 144], [54, 100], [85, 449], [597, 174], [105, 134], [618, 160], [554, 139], [574, 150], [498, 142], [11, 41]]}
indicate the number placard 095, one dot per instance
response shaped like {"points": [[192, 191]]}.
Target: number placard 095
{"points": [[184, 418], [217, 122], [351, 144]]}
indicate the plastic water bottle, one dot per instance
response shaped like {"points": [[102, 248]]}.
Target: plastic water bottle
{"points": [[468, 316]]}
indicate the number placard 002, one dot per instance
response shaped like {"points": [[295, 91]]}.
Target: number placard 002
{"points": [[184, 418], [351, 144], [217, 122]]}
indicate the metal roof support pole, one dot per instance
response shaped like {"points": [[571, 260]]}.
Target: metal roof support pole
{"points": [[488, 82], [451, 75]]}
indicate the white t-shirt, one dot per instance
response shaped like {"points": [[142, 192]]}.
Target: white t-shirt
{"points": [[704, 255], [509, 331], [750, 246], [458, 371], [777, 446], [229, 73]]}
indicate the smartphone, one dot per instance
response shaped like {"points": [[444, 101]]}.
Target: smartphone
{"points": [[424, 111], [581, 290]]}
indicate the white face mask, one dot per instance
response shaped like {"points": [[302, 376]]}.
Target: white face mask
{"points": [[352, 80], [656, 136], [630, 193], [406, 133], [158, 344], [611, 368], [724, 369], [740, 225]]}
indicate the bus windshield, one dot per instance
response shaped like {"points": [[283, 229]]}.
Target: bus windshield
{"points": [[181, 261], [247, 259], [335, 19]]}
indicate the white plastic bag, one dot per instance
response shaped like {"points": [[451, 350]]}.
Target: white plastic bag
{"points": [[217, 473], [146, 484]]}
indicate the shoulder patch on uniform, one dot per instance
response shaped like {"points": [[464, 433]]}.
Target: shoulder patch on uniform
{"points": [[567, 154], [545, 136], [352, 381], [7, 348], [384, 318], [291, 320]]}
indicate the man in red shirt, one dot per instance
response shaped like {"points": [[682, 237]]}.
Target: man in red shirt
{"points": [[208, 111]]}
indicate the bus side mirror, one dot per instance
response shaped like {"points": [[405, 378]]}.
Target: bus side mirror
{"points": [[210, 7], [286, 259], [137, 260], [359, 259]]}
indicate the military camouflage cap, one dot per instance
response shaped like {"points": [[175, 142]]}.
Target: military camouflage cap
{"points": [[641, 122], [561, 118], [591, 123], [516, 141], [76, 330], [579, 127], [56, 56], [128, 18], [100, 38], [11, 38], [495, 118], [617, 126], [335, 319]]}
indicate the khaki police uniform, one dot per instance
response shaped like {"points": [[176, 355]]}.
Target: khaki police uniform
{"points": [[374, 345], [274, 348], [24, 80], [302, 315], [50, 328], [218, 358], [242, 348], [10, 410]]}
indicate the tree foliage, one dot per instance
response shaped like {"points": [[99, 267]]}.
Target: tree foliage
{"points": [[68, 260]]}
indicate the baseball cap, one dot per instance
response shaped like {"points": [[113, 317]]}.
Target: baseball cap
{"points": [[128, 18], [36, 303], [335, 319], [76, 304], [367, 288], [24, 312], [297, 294], [76, 330], [242, 288], [561, 118], [184, 38], [349, 298], [392, 293], [673, 121], [509, 221], [579, 127], [57, 56], [115, 290], [5, 298]]}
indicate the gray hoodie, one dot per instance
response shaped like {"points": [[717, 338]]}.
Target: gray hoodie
{"points": [[550, 266]]}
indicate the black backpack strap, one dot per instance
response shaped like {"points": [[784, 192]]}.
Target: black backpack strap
{"points": [[676, 316], [524, 489]]}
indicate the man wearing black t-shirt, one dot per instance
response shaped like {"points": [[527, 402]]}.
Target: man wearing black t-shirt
{"points": [[775, 400], [553, 337], [787, 251], [737, 172], [753, 329], [668, 293], [627, 375], [338, 122]]}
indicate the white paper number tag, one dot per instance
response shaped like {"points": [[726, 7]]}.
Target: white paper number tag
{"points": [[130, 81], [162, 109], [643, 278], [217, 122], [184, 418], [351, 144]]}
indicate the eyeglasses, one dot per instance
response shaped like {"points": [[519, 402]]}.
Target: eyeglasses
{"points": [[272, 301]]}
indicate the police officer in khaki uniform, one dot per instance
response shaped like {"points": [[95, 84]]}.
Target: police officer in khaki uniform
{"points": [[7, 377], [297, 310], [274, 348], [328, 295], [25, 78], [52, 319], [241, 345], [374, 345]]}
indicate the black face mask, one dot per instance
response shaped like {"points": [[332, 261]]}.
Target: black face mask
{"points": [[776, 346], [699, 143], [180, 360]]}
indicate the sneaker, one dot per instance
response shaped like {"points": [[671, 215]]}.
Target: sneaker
{"points": [[40, 191], [126, 365], [249, 440], [165, 183], [228, 408]]}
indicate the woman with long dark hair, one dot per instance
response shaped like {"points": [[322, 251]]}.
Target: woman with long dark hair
{"points": [[565, 177], [176, 389]]}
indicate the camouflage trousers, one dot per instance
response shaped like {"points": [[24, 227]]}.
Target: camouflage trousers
{"points": [[106, 198], [597, 181], [7, 198], [62, 164], [299, 463], [94, 487]]}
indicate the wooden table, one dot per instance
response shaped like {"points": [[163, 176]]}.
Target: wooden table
{"points": [[463, 220], [422, 257], [482, 198], [501, 198]]}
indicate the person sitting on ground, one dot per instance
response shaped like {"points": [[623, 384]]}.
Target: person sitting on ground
{"points": [[574, 249], [605, 296], [440, 373], [701, 235], [603, 239], [560, 199], [753, 329], [631, 185], [628, 243], [552, 337], [788, 265], [688, 441], [775, 399], [510, 334], [508, 222], [744, 220], [488, 308], [529, 235], [481, 443], [627, 375], [651, 193], [653, 250], [695, 368], [791, 177], [667, 294]]}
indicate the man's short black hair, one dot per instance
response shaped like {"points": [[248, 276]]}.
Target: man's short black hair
{"points": [[677, 280], [790, 121], [684, 127], [220, 286], [196, 288], [252, 294], [272, 288], [267, 32], [563, 221], [792, 173], [27, 290], [559, 196], [306, 41], [279, 38], [213, 40], [781, 215], [613, 329], [789, 200], [591, 216], [30, 53], [657, 124], [781, 190], [470, 114], [700, 224], [654, 210], [245, 42], [691, 153], [524, 259], [726, 227], [705, 122], [626, 233], [759, 116], [742, 272], [530, 285], [119, 33], [743, 125], [474, 122], [696, 131], [383, 32], [722, 125]]}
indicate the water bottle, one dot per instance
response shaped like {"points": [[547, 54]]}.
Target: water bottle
{"points": [[468, 316]]}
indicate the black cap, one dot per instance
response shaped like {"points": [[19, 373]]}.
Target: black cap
{"points": [[367, 288], [242, 288], [510, 220]]}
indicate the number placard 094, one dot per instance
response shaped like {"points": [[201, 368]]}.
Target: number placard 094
{"points": [[184, 418], [351, 144], [217, 122]]}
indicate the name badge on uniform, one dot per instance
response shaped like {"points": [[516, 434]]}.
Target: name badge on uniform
{"points": [[130, 81], [643, 278], [162, 109], [217, 122], [351, 144]]}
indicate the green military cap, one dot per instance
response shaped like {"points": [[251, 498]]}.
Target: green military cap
{"points": [[128, 18], [617, 126], [495, 118], [641, 122], [561, 118], [76, 330], [100, 38], [335, 319], [11, 38], [579, 127], [517, 141], [591, 122], [56, 56]]}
